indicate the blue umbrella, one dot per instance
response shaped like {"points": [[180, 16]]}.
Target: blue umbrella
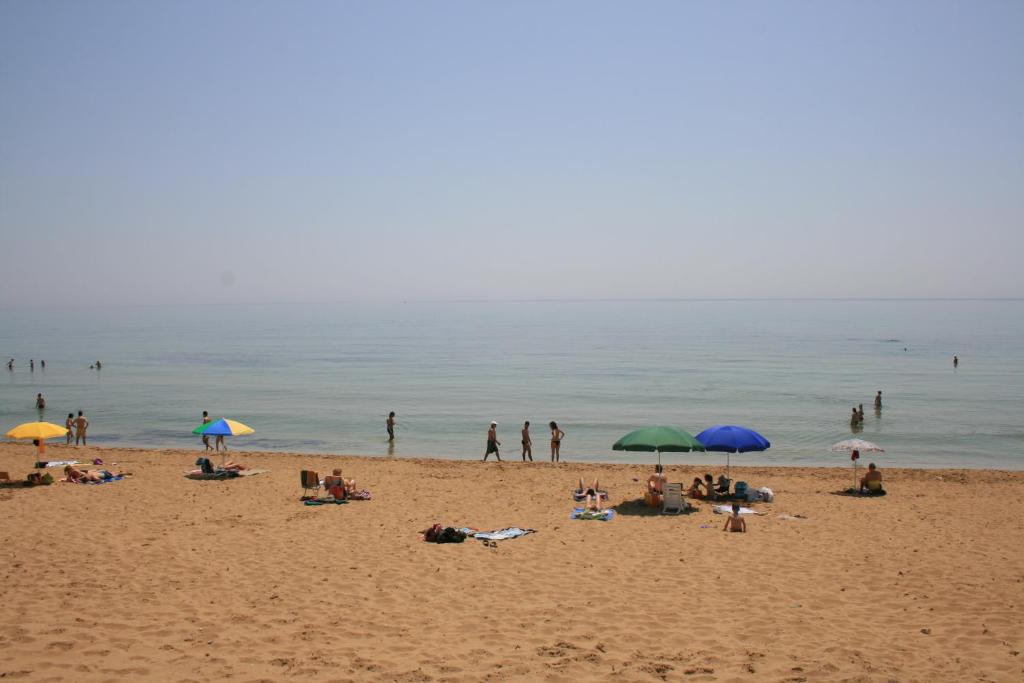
{"points": [[732, 439]]}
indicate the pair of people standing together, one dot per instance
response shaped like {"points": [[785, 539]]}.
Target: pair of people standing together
{"points": [[556, 441]]}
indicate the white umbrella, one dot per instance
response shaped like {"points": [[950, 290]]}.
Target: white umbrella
{"points": [[858, 445]]}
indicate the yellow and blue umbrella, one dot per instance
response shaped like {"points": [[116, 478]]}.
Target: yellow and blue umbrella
{"points": [[223, 427]]}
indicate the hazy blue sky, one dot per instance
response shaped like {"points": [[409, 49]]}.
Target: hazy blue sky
{"points": [[254, 151]]}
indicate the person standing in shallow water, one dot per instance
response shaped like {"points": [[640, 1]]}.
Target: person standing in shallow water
{"points": [[492, 442], [391, 426], [527, 442], [556, 441], [878, 400], [956, 361], [81, 425], [70, 424]]}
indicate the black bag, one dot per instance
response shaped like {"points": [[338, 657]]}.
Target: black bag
{"points": [[451, 535]]}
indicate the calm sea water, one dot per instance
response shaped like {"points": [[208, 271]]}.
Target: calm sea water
{"points": [[321, 378]]}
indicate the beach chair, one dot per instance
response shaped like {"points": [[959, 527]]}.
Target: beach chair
{"points": [[310, 481], [672, 503]]}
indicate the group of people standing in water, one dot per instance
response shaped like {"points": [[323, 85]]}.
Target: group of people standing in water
{"points": [[493, 445], [527, 442]]}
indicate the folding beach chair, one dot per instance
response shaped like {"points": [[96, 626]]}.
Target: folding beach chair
{"points": [[672, 503], [310, 480]]}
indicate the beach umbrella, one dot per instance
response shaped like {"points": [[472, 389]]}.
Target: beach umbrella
{"points": [[659, 440], [223, 427], [859, 445], [38, 431], [730, 439]]}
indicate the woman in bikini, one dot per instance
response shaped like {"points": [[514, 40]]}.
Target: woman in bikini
{"points": [[556, 441]]}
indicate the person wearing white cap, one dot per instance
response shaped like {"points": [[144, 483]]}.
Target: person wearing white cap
{"points": [[492, 442]]}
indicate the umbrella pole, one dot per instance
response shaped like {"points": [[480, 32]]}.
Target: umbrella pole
{"points": [[728, 474]]}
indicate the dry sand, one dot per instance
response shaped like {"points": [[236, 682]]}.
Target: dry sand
{"points": [[161, 578]]}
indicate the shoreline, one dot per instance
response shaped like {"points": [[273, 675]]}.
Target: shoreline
{"points": [[842, 460], [158, 577]]}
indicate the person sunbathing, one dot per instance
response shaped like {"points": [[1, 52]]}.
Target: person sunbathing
{"points": [[735, 521], [78, 476], [234, 466], [871, 482], [592, 495], [335, 482]]}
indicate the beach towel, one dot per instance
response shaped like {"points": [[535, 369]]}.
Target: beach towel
{"points": [[250, 473], [603, 515], [323, 501], [211, 476], [56, 463], [727, 510], [359, 495], [500, 535], [117, 477]]}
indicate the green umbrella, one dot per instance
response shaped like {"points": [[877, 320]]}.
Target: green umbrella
{"points": [[659, 439]]}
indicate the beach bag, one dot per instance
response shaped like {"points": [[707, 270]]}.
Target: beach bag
{"points": [[451, 535], [767, 495]]}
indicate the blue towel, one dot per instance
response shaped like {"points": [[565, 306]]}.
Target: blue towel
{"points": [[105, 481], [603, 515]]}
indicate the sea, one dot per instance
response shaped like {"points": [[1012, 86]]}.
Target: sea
{"points": [[321, 378]]}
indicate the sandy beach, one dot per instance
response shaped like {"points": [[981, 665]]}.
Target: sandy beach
{"points": [[158, 577]]}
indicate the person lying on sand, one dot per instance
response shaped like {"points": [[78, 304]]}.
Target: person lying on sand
{"points": [[593, 495], [78, 476], [872, 480], [735, 522], [335, 481]]}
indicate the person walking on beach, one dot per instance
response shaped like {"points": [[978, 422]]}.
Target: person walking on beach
{"points": [[70, 425], [391, 426], [878, 400], [81, 424], [40, 402], [556, 441], [492, 442], [206, 439], [527, 442]]}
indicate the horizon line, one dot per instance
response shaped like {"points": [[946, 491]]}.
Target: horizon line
{"points": [[535, 300]]}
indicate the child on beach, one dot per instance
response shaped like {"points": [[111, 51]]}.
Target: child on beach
{"points": [[391, 426], [735, 522]]}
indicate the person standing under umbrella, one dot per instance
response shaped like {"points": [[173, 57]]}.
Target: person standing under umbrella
{"points": [[206, 439], [492, 442]]}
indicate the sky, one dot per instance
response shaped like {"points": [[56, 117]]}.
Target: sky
{"points": [[250, 151]]}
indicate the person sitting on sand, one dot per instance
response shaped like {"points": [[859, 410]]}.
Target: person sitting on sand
{"points": [[592, 495], [656, 486], [871, 482], [694, 490], [722, 485], [735, 522], [334, 482], [709, 487]]}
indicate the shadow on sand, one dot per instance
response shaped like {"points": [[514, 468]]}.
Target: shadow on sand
{"points": [[639, 508]]}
